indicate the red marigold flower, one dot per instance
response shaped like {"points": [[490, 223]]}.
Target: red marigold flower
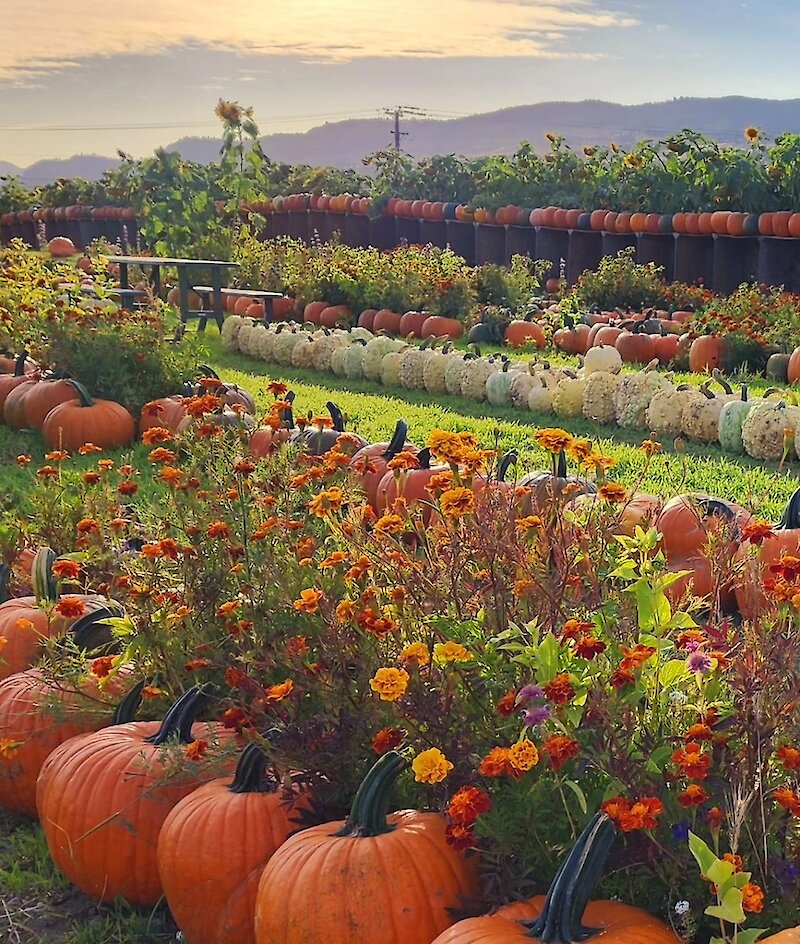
{"points": [[693, 795], [615, 808], [24, 460], [621, 678], [560, 749], [460, 837], [277, 388], [235, 718], [90, 478], [67, 569], [102, 667], [587, 647], [506, 705], [218, 529], [698, 732], [496, 763], [468, 804], [157, 434], [559, 690], [691, 639], [234, 677], [47, 472], [196, 749], [715, 817], [789, 757], [642, 814], [693, 762], [757, 532], [70, 607], [297, 646], [788, 799], [752, 898], [635, 658], [788, 567], [244, 467], [387, 739]]}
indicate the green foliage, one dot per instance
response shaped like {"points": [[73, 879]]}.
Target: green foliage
{"points": [[619, 281]]}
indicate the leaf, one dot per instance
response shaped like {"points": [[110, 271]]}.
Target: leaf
{"points": [[672, 672], [730, 909], [547, 655], [703, 855], [579, 794], [720, 872], [750, 936]]}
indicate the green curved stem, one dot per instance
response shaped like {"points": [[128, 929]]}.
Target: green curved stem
{"points": [[249, 776], [560, 919], [791, 517], [84, 397], [397, 441], [368, 812], [45, 587], [181, 716], [127, 708]]}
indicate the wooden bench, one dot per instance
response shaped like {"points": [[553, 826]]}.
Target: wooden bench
{"points": [[267, 297], [131, 294]]}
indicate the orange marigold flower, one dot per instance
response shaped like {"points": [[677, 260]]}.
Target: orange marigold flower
{"points": [[67, 569], [559, 690], [459, 837], [650, 447], [579, 449], [378, 625], [102, 667], [345, 610], [560, 749], [496, 763], [337, 557], [297, 646], [390, 683], [326, 502], [403, 460], [24, 460], [309, 600], [575, 628], [698, 732], [58, 455], [157, 434], [693, 795], [199, 406], [599, 462], [280, 691], [636, 657], [359, 569], [691, 639], [127, 488], [431, 766], [415, 652], [752, 898], [735, 860], [197, 749], [47, 472], [506, 705], [468, 804], [277, 388], [613, 492], [387, 739], [449, 447], [615, 808], [553, 439], [788, 799], [522, 587], [118, 524], [693, 763], [225, 609], [642, 814], [218, 529], [387, 525], [756, 532], [440, 482], [789, 757], [196, 665], [70, 607], [90, 478], [106, 465], [587, 647], [87, 526], [8, 747], [523, 755], [457, 502], [451, 651], [715, 817], [523, 525], [170, 475], [88, 448], [162, 455]]}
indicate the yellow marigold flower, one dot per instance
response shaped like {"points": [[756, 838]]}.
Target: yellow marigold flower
{"points": [[345, 610], [416, 652], [523, 755], [337, 557], [552, 439], [431, 766], [751, 134], [579, 449], [390, 683], [388, 524], [650, 447], [451, 652], [522, 587], [8, 746], [309, 601], [599, 462], [448, 447], [280, 691], [526, 524], [403, 460], [324, 503], [457, 502], [613, 492]]}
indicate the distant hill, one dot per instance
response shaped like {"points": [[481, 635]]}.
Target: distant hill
{"points": [[345, 143]]}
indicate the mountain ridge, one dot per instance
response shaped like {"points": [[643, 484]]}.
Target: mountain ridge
{"points": [[591, 121]]}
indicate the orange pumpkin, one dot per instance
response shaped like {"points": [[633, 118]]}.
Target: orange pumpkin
{"points": [[390, 879], [370, 463], [166, 412], [520, 333], [9, 381], [60, 246], [386, 320], [102, 797], [412, 323], [241, 822], [313, 310], [793, 370], [367, 318], [558, 917], [635, 347], [705, 354], [438, 326], [103, 422]]}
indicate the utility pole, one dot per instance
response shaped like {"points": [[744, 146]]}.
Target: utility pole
{"points": [[398, 112]]}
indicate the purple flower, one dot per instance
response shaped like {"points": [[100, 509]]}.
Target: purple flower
{"points": [[680, 831], [698, 661], [533, 716], [529, 693]]}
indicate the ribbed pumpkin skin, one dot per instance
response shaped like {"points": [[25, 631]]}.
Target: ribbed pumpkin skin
{"points": [[212, 850], [43, 397], [105, 423], [395, 888], [789, 936], [620, 923], [101, 803], [24, 720]]}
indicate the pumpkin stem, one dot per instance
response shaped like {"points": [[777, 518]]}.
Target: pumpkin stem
{"points": [[181, 716], [424, 458], [206, 371], [129, 705], [5, 574], [84, 397], [250, 770], [368, 812], [560, 919], [92, 632], [19, 364], [744, 393], [506, 461], [561, 466], [398, 440], [791, 517], [336, 416], [45, 587]]}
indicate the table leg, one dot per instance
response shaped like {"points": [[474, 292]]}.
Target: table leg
{"points": [[269, 310], [183, 292], [123, 275], [156, 270], [216, 281]]}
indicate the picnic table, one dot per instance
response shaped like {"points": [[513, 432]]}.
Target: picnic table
{"points": [[184, 267]]}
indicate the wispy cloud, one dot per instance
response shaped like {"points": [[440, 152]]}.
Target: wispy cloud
{"points": [[39, 36]]}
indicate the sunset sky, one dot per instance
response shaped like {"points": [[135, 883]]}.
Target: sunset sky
{"points": [[89, 78]]}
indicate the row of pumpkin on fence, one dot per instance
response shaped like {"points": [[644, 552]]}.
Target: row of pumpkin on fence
{"points": [[765, 427]]}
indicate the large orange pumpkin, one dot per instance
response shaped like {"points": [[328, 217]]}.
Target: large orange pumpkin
{"points": [[60, 246], [102, 797], [37, 715], [438, 326], [386, 320], [241, 823], [369, 464], [520, 333], [14, 405], [103, 422], [9, 381], [558, 918], [793, 371], [705, 354], [377, 878], [166, 413], [410, 485]]}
